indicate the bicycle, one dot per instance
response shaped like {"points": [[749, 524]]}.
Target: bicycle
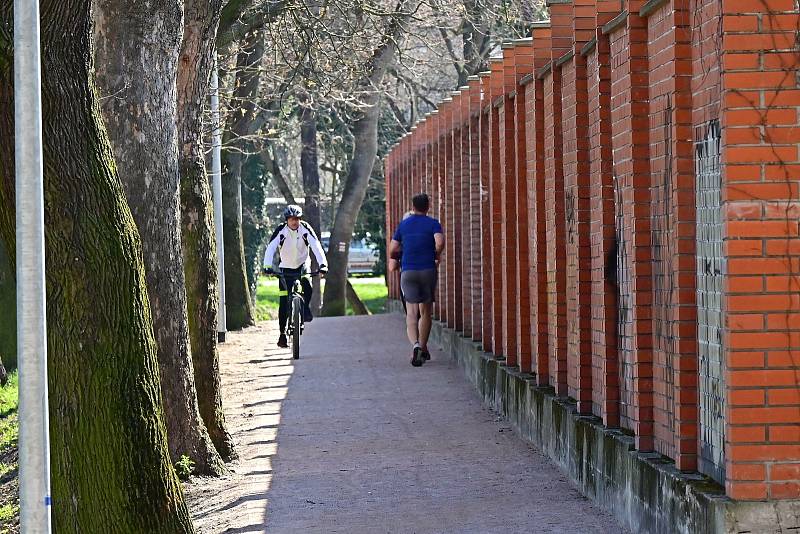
{"points": [[296, 322]]}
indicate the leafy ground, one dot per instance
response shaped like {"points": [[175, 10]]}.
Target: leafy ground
{"points": [[9, 433], [372, 291]]}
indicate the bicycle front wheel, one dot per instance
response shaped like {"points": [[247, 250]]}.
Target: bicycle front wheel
{"points": [[297, 311]]}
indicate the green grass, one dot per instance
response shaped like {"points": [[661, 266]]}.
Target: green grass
{"points": [[9, 402], [372, 291], [9, 435], [7, 513], [267, 299]]}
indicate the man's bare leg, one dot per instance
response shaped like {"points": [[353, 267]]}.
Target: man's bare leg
{"points": [[412, 322], [425, 322]]}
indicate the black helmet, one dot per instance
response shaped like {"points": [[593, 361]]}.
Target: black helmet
{"points": [[292, 210]]}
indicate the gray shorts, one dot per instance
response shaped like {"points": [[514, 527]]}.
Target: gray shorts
{"points": [[418, 287]]}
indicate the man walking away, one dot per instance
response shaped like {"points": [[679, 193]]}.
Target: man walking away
{"points": [[422, 241]]}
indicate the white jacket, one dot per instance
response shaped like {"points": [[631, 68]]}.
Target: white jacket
{"points": [[293, 247]]}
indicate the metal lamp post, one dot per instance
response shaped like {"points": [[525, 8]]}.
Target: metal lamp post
{"points": [[34, 439]]}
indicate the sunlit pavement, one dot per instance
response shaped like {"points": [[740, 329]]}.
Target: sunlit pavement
{"points": [[352, 438]]}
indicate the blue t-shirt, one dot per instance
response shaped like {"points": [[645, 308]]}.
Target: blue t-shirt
{"points": [[419, 247]]}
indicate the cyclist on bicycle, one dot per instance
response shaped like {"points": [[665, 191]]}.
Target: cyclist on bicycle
{"points": [[290, 242]]}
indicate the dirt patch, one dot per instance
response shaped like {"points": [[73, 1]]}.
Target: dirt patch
{"points": [[255, 374], [9, 492]]}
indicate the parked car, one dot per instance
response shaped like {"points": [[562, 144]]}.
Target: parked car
{"points": [[362, 258]]}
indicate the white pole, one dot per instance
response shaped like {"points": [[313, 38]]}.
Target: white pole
{"points": [[216, 177], [34, 446]]}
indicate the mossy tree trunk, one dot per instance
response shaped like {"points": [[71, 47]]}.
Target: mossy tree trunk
{"points": [[8, 310], [243, 122], [309, 164], [201, 18], [255, 226], [136, 52], [111, 470]]}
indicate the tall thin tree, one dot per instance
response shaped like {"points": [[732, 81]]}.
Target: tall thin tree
{"points": [[196, 60], [244, 121]]}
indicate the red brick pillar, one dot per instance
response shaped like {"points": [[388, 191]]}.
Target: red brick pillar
{"points": [[495, 95], [575, 117], [487, 274], [466, 244], [450, 254], [561, 26], [507, 225], [523, 66], [537, 237], [413, 161], [760, 126], [436, 202], [631, 149], [605, 365], [447, 215], [389, 220], [455, 282], [475, 214], [672, 217]]}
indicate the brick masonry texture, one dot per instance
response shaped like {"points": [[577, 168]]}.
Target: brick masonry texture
{"points": [[620, 194]]}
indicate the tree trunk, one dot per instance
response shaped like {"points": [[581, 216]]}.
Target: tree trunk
{"points": [[136, 54], [365, 133], [359, 308], [309, 164], [365, 148], [109, 456], [248, 77], [255, 230], [8, 309], [201, 18]]}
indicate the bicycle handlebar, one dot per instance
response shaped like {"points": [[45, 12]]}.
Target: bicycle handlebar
{"points": [[277, 274]]}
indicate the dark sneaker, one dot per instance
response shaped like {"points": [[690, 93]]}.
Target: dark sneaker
{"points": [[416, 359], [282, 341], [307, 315], [426, 355]]}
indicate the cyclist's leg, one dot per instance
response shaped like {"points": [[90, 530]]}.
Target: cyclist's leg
{"points": [[283, 308], [283, 311], [308, 292]]}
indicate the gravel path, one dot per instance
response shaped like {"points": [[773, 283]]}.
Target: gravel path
{"points": [[352, 438]]}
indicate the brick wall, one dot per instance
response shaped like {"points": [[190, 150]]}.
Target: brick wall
{"points": [[620, 199], [761, 139]]}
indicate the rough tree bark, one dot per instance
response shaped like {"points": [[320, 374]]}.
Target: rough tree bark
{"points": [[309, 164], [196, 60], [109, 456], [365, 137], [136, 51], [8, 310], [243, 123]]}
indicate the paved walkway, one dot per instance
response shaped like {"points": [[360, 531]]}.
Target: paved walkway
{"points": [[351, 438]]}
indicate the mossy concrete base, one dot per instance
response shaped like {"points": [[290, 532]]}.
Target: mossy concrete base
{"points": [[644, 491]]}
